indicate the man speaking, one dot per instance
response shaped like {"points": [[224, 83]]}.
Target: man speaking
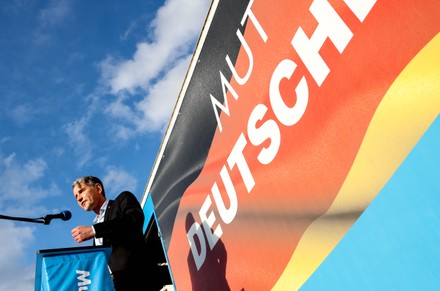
{"points": [[118, 224]]}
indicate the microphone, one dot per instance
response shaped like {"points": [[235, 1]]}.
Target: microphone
{"points": [[64, 215]]}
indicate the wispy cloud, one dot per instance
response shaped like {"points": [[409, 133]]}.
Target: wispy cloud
{"points": [[118, 180], [153, 111], [22, 114], [54, 13], [79, 140], [20, 184], [129, 30]]}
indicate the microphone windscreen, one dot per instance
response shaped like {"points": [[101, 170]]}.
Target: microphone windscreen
{"points": [[66, 215]]}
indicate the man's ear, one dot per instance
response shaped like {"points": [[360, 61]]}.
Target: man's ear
{"points": [[99, 188]]}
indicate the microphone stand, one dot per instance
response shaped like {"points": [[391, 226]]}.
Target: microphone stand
{"points": [[43, 220]]}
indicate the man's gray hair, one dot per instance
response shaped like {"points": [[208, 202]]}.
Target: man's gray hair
{"points": [[89, 180]]}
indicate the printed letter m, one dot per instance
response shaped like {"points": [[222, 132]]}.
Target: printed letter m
{"points": [[82, 280]]}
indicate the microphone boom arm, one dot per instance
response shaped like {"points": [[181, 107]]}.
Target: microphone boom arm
{"points": [[64, 215], [25, 219]]}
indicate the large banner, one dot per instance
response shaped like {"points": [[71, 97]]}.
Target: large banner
{"points": [[304, 149]]}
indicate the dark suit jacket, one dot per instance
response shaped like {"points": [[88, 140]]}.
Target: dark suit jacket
{"points": [[122, 230]]}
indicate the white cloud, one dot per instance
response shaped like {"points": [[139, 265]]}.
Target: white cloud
{"points": [[119, 109], [12, 250], [175, 28], [124, 132], [152, 113], [156, 108], [15, 274], [178, 22], [156, 70], [20, 196]]}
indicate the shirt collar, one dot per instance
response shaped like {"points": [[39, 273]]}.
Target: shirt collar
{"points": [[100, 216]]}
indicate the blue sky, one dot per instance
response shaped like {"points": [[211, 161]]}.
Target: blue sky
{"points": [[86, 88]]}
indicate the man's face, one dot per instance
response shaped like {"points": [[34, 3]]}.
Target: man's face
{"points": [[89, 197]]}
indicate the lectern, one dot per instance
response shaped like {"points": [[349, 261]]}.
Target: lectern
{"points": [[81, 268]]}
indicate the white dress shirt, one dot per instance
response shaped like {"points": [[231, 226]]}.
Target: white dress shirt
{"points": [[100, 218]]}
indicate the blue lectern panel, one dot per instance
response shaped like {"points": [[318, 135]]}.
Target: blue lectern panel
{"points": [[73, 269]]}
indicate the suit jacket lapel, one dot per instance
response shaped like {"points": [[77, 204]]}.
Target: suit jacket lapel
{"points": [[107, 211]]}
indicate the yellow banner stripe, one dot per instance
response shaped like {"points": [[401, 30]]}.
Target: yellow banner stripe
{"points": [[405, 113]]}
